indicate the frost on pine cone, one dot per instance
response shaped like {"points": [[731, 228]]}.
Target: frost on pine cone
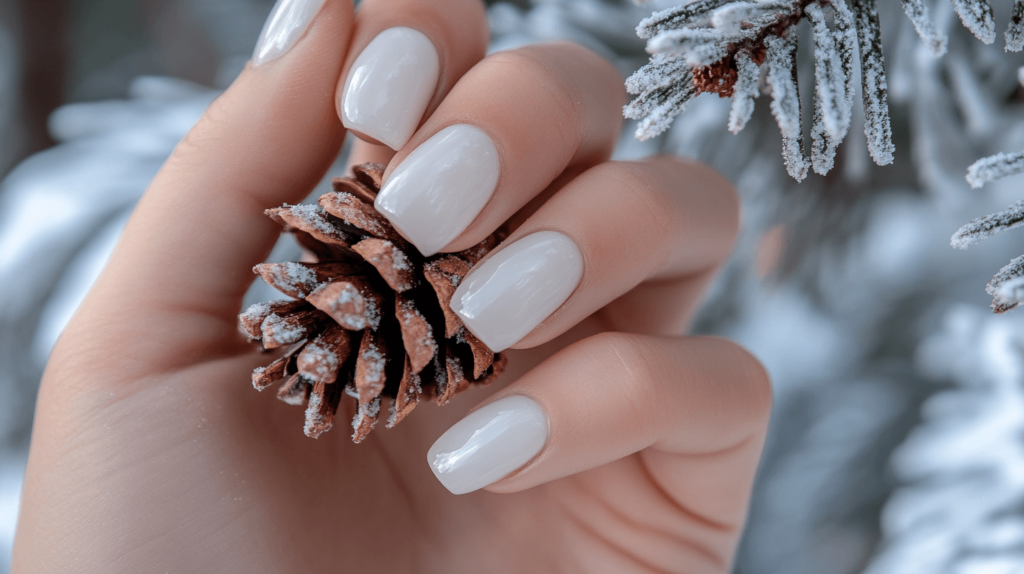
{"points": [[370, 318]]}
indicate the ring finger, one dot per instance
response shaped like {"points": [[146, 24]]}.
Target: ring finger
{"points": [[619, 224]]}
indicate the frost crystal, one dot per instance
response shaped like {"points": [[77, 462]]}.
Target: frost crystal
{"points": [[983, 227], [977, 17], [876, 104], [918, 14], [1014, 34], [994, 167], [743, 93], [1012, 271], [782, 78]]}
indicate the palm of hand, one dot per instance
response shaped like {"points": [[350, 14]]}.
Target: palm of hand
{"points": [[220, 478]]}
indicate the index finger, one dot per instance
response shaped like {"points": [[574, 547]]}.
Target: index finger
{"points": [[200, 228]]}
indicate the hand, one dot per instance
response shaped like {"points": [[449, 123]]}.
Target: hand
{"points": [[630, 447]]}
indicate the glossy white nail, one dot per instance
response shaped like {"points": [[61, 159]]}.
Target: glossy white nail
{"points": [[489, 444], [514, 290], [440, 188], [284, 28], [390, 85]]}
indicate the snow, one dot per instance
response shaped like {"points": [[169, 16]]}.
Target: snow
{"points": [[282, 330], [373, 364], [294, 277], [316, 423]]}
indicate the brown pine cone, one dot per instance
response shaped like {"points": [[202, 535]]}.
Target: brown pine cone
{"points": [[370, 319]]}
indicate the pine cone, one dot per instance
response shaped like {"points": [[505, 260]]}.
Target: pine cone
{"points": [[369, 319]]}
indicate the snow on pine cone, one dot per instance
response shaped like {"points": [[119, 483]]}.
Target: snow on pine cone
{"points": [[369, 319]]}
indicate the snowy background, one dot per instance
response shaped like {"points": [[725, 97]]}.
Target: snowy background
{"points": [[897, 445]]}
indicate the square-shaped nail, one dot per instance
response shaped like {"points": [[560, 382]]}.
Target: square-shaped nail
{"points": [[390, 85], [489, 444], [515, 289], [440, 188]]}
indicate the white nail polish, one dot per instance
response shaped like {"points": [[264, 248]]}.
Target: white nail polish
{"points": [[489, 444], [389, 86], [284, 27], [514, 290], [440, 188]]}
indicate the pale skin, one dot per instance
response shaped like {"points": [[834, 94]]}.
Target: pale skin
{"points": [[151, 452]]}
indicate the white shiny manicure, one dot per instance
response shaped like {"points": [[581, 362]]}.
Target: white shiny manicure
{"points": [[390, 85], [489, 444], [440, 188], [514, 290], [284, 28]]}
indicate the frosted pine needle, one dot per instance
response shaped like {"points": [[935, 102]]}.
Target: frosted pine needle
{"points": [[918, 14], [983, 227], [782, 77], [675, 17], [829, 77], [1014, 34], [743, 93], [977, 17], [876, 104], [995, 167], [1004, 286]]}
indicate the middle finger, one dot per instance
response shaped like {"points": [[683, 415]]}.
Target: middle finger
{"points": [[507, 130]]}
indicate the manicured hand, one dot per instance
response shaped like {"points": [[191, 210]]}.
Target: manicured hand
{"points": [[614, 443]]}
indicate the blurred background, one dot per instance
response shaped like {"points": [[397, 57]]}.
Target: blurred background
{"points": [[897, 444]]}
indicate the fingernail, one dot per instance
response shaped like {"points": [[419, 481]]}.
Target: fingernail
{"points": [[489, 444], [284, 27], [439, 189], [513, 291], [390, 85]]}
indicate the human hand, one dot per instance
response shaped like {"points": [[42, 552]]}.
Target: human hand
{"points": [[631, 447]]}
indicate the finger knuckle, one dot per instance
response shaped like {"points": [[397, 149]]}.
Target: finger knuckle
{"points": [[632, 365], [533, 66]]}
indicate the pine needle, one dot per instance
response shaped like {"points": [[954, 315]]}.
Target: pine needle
{"points": [[994, 167], [743, 93], [876, 104], [918, 14], [982, 228], [977, 17], [1005, 286], [1014, 34], [782, 77]]}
